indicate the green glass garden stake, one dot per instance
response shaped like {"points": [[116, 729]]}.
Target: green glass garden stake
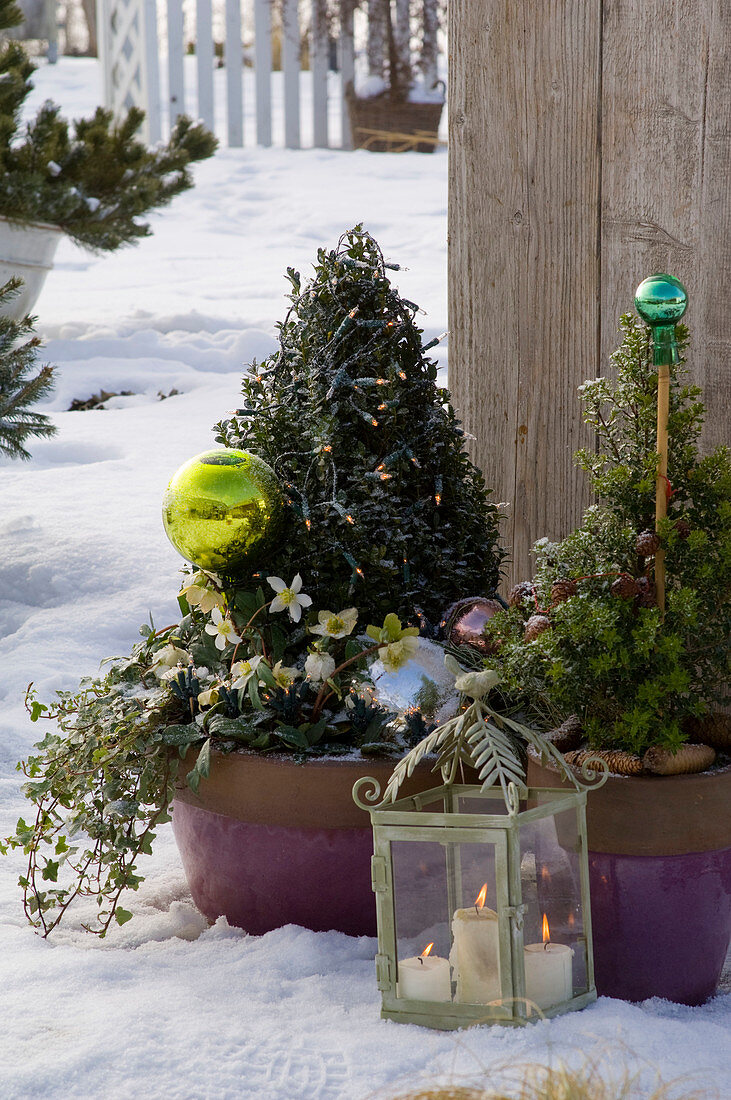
{"points": [[661, 301]]}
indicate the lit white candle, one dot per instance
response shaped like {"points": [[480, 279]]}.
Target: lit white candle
{"points": [[425, 977], [548, 971], [475, 953]]}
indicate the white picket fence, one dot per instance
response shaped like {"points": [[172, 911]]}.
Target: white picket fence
{"points": [[149, 69]]}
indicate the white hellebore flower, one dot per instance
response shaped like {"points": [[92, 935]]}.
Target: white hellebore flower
{"points": [[222, 628], [242, 671], [285, 675], [319, 666], [198, 594], [291, 599], [166, 659], [209, 697], [476, 684], [336, 626], [396, 654]]}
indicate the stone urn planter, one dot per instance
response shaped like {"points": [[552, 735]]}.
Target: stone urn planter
{"points": [[26, 250], [268, 841], [660, 879]]}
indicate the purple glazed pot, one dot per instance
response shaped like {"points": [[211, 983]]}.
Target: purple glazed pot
{"points": [[660, 882], [269, 842]]}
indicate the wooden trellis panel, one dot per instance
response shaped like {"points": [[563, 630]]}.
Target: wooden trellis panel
{"points": [[128, 50]]}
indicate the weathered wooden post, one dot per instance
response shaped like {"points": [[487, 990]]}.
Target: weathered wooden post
{"points": [[589, 144]]}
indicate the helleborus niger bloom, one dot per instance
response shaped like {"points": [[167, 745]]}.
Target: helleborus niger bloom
{"points": [[198, 594], [209, 697], [290, 599], [319, 666], [396, 654], [222, 629], [332, 625], [476, 684], [242, 671], [391, 631], [285, 675], [167, 658]]}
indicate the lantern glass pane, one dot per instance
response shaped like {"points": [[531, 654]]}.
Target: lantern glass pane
{"points": [[446, 895], [475, 802], [551, 889]]}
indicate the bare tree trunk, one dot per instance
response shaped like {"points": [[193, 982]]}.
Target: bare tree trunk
{"points": [[89, 7], [376, 47], [429, 47], [402, 42]]}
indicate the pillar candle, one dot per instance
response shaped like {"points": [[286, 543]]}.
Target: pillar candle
{"points": [[548, 977], [425, 978], [475, 955]]}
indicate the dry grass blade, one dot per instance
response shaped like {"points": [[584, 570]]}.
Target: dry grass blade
{"points": [[561, 1082]]}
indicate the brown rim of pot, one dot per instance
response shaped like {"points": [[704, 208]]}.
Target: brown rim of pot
{"points": [[276, 790], [653, 815]]}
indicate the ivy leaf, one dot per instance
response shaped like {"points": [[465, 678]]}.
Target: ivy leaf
{"points": [[122, 915]]}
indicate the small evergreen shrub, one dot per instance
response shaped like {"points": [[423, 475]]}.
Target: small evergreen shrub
{"points": [[387, 510], [95, 180], [19, 388], [634, 677]]}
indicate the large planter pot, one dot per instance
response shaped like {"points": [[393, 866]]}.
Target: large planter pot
{"points": [[268, 842], [384, 125], [660, 879], [26, 250]]}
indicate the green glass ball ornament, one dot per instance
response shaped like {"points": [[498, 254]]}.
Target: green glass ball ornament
{"points": [[222, 510], [661, 300]]}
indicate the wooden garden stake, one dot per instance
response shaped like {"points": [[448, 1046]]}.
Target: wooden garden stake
{"points": [[661, 301]]}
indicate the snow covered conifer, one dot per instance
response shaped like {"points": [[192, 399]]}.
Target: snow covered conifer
{"points": [[18, 387], [387, 510], [94, 180]]}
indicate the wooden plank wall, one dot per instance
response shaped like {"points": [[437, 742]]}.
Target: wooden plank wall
{"points": [[589, 147]]}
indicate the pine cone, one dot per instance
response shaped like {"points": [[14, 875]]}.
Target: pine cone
{"points": [[711, 729], [625, 587], [647, 544], [646, 592], [566, 736], [563, 590], [683, 528], [519, 592], [619, 761], [535, 626], [688, 758]]}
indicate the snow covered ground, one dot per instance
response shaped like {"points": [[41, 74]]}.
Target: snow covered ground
{"points": [[165, 1006]]}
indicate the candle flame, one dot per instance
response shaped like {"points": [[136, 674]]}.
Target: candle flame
{"points": [[480, 899], [427, 950], [546, 930]]}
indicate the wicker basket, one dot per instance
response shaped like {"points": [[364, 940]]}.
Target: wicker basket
{"points": [[385, 125]]}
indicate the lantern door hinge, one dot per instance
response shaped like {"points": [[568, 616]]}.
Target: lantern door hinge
{"points": [[378, 874], [516, 914], [383, 972]]}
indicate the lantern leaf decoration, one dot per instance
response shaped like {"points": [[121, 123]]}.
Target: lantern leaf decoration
{"points": [[488, 742]]}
